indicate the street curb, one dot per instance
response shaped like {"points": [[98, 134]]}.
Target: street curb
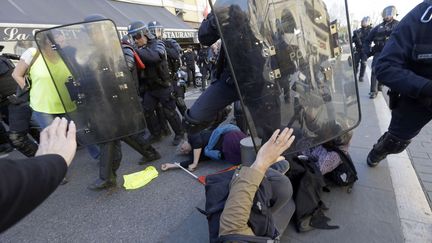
{"points": [[414, 210]]}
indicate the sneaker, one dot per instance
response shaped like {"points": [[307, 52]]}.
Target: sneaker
{"points": [[177, 139]]}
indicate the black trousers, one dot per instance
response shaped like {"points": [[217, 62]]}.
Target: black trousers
{"points": [[111, 153], [409, 117], [359, 60]]}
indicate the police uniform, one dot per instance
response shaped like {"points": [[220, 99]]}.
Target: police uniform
{"points": [[173, 50], [379, 35], [188, 59], [405, 66], [204, 64], [359, 37], [217, 96], [259, 95], [158, 88]]}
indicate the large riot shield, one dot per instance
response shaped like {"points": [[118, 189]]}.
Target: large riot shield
{"points": [[90, 74], [292, 67]]}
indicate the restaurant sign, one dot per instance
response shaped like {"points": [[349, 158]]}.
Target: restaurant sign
{"points": [[27, 33]]}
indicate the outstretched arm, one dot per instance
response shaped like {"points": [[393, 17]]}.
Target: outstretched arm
{"points": [[24, 184], [245, 183]]}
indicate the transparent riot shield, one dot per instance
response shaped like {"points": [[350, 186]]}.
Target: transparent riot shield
{"points": [[91, 77], [291, 62]]}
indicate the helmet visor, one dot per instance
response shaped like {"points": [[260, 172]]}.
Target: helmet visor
{"points": [[365, 21], [136, 36], [389, 12]]}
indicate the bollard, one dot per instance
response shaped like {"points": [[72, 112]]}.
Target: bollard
{"points": [[248, 152]]}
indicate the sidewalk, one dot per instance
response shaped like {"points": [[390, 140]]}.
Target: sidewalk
{"points": [[387, 203]]}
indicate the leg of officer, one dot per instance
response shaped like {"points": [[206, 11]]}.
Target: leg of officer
{"points": [[408, 118], [142, 146], [168, 103], [19, 125], [374, 82], [149, 105], [165, 130], [363, 60], [356, 62], [216, 97], [108, 164], [180, 99]]}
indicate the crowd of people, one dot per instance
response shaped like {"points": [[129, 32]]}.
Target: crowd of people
{"points": [[400, 53]]}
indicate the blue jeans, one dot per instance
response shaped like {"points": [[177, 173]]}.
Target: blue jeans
{"points": [[45, 119]]}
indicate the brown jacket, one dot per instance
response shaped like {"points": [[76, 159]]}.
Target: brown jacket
{"points": [[235, 215]]}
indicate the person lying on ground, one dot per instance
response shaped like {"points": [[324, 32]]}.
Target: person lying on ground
{"points": [[222, 143], [245, 183], [26, 183]]}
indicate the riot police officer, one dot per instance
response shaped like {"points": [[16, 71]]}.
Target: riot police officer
{"points": [[204, 55], [379, 35], [405, 66], [188, 59], [155, 77], [173, 51], [358, 38], [110, 152], [221, 93]]}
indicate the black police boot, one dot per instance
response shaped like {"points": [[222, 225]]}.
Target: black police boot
{"points": [[387, 144], [150, 154], [101, 184], [166, 131], [155, 138], [23, 143], [109, 162]]}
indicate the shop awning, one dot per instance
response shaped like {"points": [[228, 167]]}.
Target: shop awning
{"points": [[19, 18]]}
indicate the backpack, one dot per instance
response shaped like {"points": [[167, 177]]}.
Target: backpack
{"points": [[308, 183], [345, 174], [260, 220]]}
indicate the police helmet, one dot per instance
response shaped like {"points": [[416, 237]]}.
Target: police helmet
{"points": [[137, 29], [389, 12], [156, 29], [366, 21], [94, 17]]}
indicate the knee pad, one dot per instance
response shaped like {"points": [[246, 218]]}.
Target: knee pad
{"points": [[193, 126], [221, 116], [23, 143], [390, 144]]}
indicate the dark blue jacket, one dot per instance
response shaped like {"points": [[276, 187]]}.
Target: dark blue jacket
{"points": [[156, 72], [379, 36], [359, 37], [405, 64], [208, 35]]}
